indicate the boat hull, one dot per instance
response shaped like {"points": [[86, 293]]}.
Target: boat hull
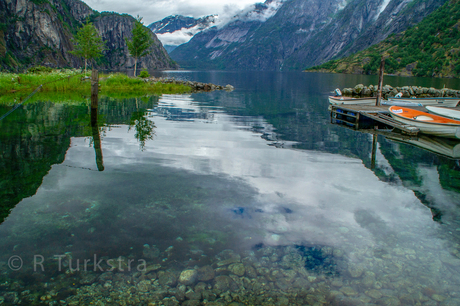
{"points": [[427, 123], [340, 100], [400, 103], [446, 112], [439, 145], [449, 102]]}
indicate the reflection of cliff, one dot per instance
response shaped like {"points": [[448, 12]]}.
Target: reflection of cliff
{"points": [[37, 136], [304, 120]]}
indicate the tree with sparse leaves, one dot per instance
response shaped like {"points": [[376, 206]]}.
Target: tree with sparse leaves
{"points": [[140, 43], [88, 43]]}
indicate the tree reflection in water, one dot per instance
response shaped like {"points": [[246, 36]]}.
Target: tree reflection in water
{"points": [[143, 126]]}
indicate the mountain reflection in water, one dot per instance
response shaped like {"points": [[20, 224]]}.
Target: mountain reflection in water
{"points": [[248, 197]]}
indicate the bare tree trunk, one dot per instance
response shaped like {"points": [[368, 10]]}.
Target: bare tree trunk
{"points": [[135, 65], [86, 64]]}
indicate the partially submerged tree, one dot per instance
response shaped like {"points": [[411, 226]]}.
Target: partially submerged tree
{"points": [[140, 43], [88, 43]]}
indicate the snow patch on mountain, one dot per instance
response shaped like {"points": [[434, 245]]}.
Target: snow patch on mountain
{"points": [[177, 30], [382, 8], [255, 12], [181, 36]]}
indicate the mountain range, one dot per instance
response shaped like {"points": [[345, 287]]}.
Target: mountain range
{"points": [[274, 35], [296, 34], [40, 32], [175, 30]]}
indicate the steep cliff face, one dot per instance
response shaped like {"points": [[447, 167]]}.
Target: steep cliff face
{"points": [[360, 24], [40, 32], [114, 29], [302, 33], [396, 17]]}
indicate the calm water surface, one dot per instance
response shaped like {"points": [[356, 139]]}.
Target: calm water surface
{"points": [[250, 197]]}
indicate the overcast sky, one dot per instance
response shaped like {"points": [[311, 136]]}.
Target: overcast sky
{"points": [[154, 10]]}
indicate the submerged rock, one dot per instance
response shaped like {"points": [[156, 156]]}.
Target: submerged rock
{"points": [[375, 294], [188, 277], [144, 286], [150, 252], [348, 291], [167, 278], [224, 283], [205, 273], [355, 270], [237, 269]]}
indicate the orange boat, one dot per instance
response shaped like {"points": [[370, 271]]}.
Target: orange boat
{"points": [[426, 122]]}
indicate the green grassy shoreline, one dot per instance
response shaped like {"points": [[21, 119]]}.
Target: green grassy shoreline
{"points": [[74, 82]]}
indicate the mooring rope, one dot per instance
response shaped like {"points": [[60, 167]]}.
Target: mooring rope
{"points": [[81, 168], [17, 105], [33, 93]]}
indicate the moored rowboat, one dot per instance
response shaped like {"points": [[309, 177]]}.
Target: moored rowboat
{"points": [[426, 122], [400, 103], [439, 101], [339, 100], [445, 112]]}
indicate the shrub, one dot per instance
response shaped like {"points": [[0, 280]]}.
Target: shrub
{"points": [[40, 69], [144, 74]]}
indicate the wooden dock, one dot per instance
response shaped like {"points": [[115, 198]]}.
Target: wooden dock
{"points": [[362, 116]]}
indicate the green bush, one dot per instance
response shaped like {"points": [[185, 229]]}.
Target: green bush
{"points": [[144, 74], [40, 69]]}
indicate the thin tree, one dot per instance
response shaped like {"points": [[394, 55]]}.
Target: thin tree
{"points": [[140, 43], [88, 43]]}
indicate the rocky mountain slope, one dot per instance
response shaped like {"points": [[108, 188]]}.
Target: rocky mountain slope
{"points": [[432, 48], [300, 33], [40, 32], [175, 30]]}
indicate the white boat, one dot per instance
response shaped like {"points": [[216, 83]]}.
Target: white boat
{"points": [[399, 103], [437, 101], [339, 100], [443, 146], [426, 122], [445, 112]]}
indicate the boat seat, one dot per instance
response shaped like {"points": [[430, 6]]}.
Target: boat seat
{"points": [[423, 118]]}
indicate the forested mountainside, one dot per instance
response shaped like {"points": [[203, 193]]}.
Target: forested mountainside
{"points": [[431, 48], [300, 33], [40, 32]]}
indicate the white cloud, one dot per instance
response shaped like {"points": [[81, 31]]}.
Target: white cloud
{"points": [[178, 37], [154, 10]]}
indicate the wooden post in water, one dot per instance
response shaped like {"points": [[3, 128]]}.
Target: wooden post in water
{"points": [[94, 88], [374, 151], [94, 124], [382, 68], [96, 139]]}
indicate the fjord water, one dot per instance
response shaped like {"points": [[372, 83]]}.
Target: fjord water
{"points": [[250, 197]]}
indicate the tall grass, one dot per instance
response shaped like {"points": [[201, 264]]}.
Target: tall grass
{"points": [[121, 83], [58, 80], [62, 83]]}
